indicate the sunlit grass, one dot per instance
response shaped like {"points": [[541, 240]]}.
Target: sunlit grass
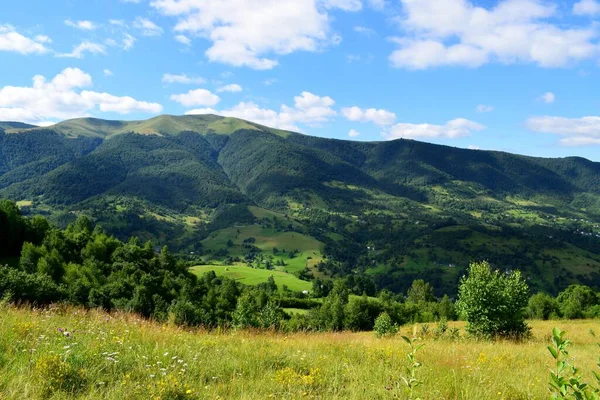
{"points": [[66, 352]]}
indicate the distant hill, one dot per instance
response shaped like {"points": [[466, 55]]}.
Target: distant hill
{"points": [[8, 125], [391, 210]]}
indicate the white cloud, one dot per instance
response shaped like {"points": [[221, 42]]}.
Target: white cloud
{"points": [[380, 117], [63, 98], [11, 40], [82, 48], [473, 147], [457, 32], [455, 128], [577, 131], [482, 108], [353, 133], [82, 25], [232, 88], [252, 33], [364, 30], [586, 7], [131, 1], [107, 72], [196, 97], [308, 109], [43, 39], [547, 98], [346, 5], [128, 41], [183, 39], [147, 27], [377, 4], [270, 81], [181, 78]]}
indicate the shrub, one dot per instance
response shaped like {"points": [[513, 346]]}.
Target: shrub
{"points": [[541, 306], [493, 302], [575, 300], [384, 326]]}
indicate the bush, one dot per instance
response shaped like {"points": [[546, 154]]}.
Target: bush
{"points": [[493, 302], [575, 300], [541, 306], [384, 326]]}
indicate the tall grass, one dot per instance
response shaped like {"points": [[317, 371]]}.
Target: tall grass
{"points": [[66, 352]]}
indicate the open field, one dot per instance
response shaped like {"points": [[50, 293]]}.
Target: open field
{"points": [[251, 276], [121, 356], [267, 239]]}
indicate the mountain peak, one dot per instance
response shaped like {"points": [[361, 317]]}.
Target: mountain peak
{"points": [[164, 125]]}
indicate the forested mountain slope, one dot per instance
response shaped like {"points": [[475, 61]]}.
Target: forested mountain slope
{"points": [[392, 210]]}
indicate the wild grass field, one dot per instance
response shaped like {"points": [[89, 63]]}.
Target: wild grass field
{"points": [[64, 352], [253, 276]]}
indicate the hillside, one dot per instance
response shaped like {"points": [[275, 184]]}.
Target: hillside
{"points": [[224, 190]]}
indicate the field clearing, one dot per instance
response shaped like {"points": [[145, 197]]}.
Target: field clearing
{"points": [[121, 356], [251, 276], [266, 239]]}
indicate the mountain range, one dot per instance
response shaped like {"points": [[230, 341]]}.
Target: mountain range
{"points": [[391, 210]]}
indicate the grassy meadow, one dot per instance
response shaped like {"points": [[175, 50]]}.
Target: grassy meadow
{"points": [[254, 276], [65, 352]]}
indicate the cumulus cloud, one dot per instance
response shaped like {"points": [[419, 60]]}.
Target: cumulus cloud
{"points": [[13, 41], [577, 131], [82, 25], [586, 7], [380, 117], [252, 33], [181, 78], [128, 41], [547, 98], [82, 48], [63, 98], [353, 133], [107, 72], [346, 5], [455, 128], [482, 108], [308, 109], [473, 147], [377, 4], [196, 97], [232, 88], [364, 30], [147, 27], [458, 32], [183, 39]]}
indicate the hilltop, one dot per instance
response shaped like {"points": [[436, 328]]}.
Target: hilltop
{"points": [[223, 189]]}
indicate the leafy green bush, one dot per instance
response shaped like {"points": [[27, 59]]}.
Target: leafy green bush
{"points": [[384, 326], [541, 306], [493, 302], [575, 300]]}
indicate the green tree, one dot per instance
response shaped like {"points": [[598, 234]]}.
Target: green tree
{"points": [[384, 326], [420, 292], [575, 300], [493, 302], [331, 313], [541, 306]]}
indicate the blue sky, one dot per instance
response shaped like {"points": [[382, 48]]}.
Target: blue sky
{"points": [[513, 75]]}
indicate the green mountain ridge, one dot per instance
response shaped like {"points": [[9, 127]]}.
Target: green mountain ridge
{"points": [[162, 125], [180, 180]]}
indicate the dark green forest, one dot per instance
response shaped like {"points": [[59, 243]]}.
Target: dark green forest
{"points": [[83, 265]]}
